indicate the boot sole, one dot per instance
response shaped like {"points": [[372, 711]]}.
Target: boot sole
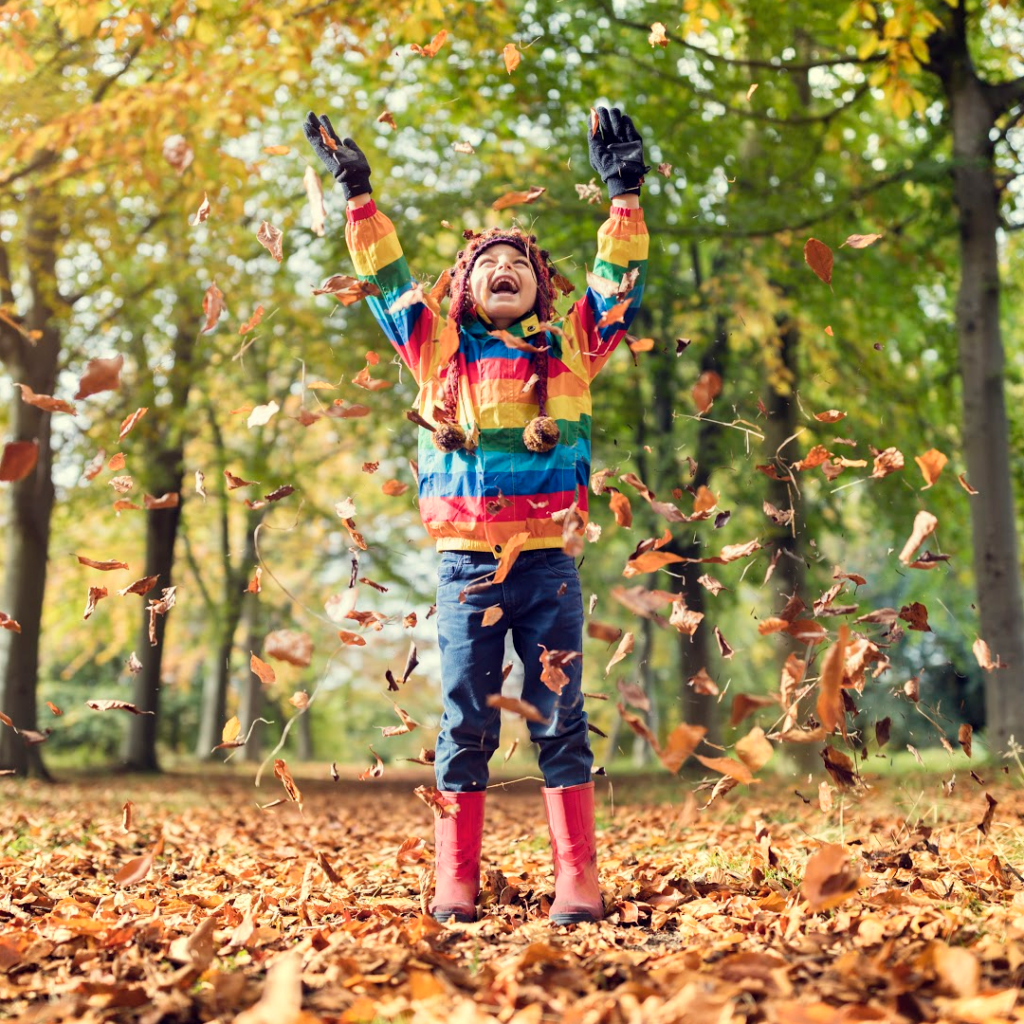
{"points": [[444, 916], [575, 917]]}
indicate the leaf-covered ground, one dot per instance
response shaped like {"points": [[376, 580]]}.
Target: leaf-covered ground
{"points": [[193, 904]]}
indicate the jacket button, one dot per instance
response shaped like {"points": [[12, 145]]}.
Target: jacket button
{"points": [[497, 548]]}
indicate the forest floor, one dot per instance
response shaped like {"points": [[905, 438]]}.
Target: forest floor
{"points": [[205, 907]]}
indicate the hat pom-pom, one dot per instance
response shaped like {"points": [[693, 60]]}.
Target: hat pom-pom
{"points": [[449, 437], [541, 434]]}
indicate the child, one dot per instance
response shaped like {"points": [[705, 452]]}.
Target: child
{"points": [[509, 449]]}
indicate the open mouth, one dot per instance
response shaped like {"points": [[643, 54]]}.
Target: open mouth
{"points": [[505, 285]]}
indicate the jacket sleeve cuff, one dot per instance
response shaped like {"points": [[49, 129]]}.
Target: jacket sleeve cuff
{"points": [[361, 212], [634, 213]]}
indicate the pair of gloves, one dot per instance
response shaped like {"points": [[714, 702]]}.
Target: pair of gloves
{"points": [[616, 153]]}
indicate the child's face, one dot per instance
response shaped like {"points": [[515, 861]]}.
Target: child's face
{"points": [[503, 284]]}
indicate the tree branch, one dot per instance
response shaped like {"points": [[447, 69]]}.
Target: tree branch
{"points": [[1004, 96], [745, 112], [737, 62]]}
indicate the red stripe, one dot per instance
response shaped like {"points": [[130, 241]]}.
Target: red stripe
{"points": [[518, 509], [361, 212]]}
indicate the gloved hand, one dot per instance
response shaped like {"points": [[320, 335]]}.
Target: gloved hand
{"points": [[346, 162], [616, 151]]}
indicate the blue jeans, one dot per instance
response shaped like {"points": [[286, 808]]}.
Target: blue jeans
{"points": [[471, 664]]}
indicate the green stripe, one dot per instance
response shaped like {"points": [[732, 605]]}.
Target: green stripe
{"points": [[511, 438], [392, 278], [613, 272]]}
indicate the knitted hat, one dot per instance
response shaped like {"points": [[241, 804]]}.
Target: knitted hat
{"points": [[541, 433]]}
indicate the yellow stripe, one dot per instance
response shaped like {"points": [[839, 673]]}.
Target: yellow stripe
{"points": [[376, 255], [620, 244]]}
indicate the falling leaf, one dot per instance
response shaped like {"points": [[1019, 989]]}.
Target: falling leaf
{"points": [[408, 724], [431, 49], [924, 526], [965, 485], [964, 737], [829, 878], [202, 213], [465, 148], [930, 464], [386, 117], [706, 390], [134, 870], [289, 645], [552, 666], [351, 639], [262, 414], [703, 684], [213, 306], [615, 314], [743, 704], [986, 821], [819, 258], [170, 500], [235, 482], [277, 150], [253, 321], [95, 594], [178, 153], [916, 614], [127, 814], [45, 402], [271, 239], [143, 586], [830, 701], [860, 241], [984, 656], [441, 807], [516, 706], [299, 699], [830, 416], [625, 647], [394, 488], [54, 710], [18, 460], [518, 198], [751, 90], [116, 705], [511, 56], [754, 749], [727, 766], [100, 375], [603, 631], [104, 566], [680, 743], [492, 615], [657, 35], [130, 421], [315, 197], [632, 693], [291, 790], [640, 727], [886, 462], [509, 554], [591, 192], [262, 670]]}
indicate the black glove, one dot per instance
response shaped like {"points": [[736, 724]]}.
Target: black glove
{"points": [[347, 162], [617, 152]]}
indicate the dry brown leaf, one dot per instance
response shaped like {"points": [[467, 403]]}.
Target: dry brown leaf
{"points": [[432, 48], [924, 526], [18, 460], [45, 402], [829, 878], [819, 258], [511, 56], [271, 239], [516, 706], [100, 375], [625, 647], [518, 198], [261, 669], [930, 464]]}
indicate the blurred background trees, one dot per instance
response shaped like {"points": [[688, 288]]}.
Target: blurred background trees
{"points": [[768, 125]]}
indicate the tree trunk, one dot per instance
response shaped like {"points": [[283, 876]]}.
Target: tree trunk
{"points": [[985, 428], [31, 500], [140, 752]]}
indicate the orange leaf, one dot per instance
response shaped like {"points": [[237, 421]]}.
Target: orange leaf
{"points": [[135, 870], [830, 699], [615, 314], [100, 375], [253, 321], [271, 239], [213, 306], [18, 460], [265, 673], [930, 464], [727, 766], [509, 554], [650, 561], [657, 36], [819, 258], [517, 198], [105, 566], [512, 57], [431, 49], [706, 390], [829, 879], [620, 507], [129, 422], [860, 241], [680, 743], [46, 402], [277, 150], [517, 706]]}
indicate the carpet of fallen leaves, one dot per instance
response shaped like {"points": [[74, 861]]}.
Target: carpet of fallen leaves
{"points": [[179, 899]]}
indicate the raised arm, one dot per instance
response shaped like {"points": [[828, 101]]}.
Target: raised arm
{"points": [[374, 246], [617, 154]]}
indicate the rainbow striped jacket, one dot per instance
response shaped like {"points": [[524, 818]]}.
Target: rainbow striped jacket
{"points": [[477, 501]]}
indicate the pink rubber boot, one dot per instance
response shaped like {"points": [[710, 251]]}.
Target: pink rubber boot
{"points": [[571, 825], [457, 858]]}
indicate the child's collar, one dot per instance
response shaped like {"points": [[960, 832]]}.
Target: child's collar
{"points": [[521, 328]]}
